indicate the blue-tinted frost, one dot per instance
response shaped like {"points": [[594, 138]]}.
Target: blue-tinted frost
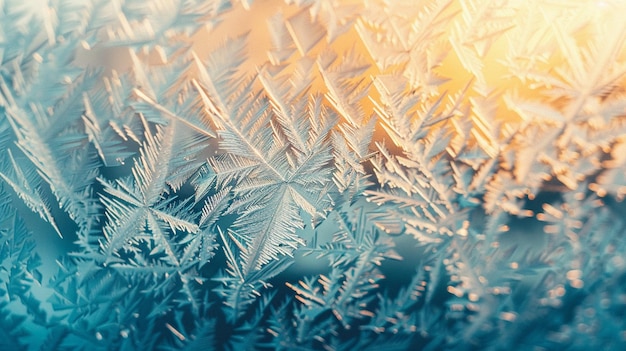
{"points": [[156, 196]]}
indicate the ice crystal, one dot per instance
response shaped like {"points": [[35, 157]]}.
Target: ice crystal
{"points": [[312, 175]]}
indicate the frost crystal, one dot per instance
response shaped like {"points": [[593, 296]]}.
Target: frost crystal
{"points": [[312, 175]]}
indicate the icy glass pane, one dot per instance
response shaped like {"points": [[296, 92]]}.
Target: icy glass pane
{"points": [[312, 175]]}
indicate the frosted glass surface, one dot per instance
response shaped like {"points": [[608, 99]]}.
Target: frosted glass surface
{"points": [[312, 175]]}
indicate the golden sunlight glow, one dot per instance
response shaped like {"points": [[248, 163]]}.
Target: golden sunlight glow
{"points": [[506, 50], [538, 69]]}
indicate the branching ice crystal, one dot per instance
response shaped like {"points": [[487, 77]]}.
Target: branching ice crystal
{"points": [[312, 175]]}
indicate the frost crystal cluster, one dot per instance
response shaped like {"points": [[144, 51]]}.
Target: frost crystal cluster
{"points": [[312, 175]]}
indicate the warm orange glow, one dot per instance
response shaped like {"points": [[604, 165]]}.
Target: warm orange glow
{"points": [[501, 47], [512, 45]]}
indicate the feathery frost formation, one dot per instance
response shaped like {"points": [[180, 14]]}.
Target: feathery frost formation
{"points": [[312, 175]]}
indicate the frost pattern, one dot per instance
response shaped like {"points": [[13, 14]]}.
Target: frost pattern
{"points": [[345, 191]]}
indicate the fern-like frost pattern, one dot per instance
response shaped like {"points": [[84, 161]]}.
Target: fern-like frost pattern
{"points": [[312, 175]]}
